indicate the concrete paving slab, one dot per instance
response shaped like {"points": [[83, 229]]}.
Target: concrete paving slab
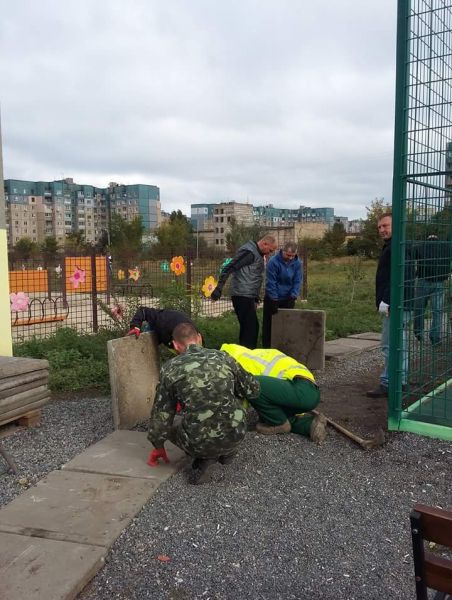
{"points": [[84, 508], [124, 453], [134, 373], [36, 569], [369, 335], [336, 349]]}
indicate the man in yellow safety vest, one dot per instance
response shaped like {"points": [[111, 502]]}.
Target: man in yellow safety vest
{"points": [[287, 391]]}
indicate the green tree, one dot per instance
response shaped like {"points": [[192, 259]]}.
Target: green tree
{"points": [[239, 233], [176, 236], [369, 242], [25, 248], [49, 249], [126, 238], [334, 239], [75, 242]]}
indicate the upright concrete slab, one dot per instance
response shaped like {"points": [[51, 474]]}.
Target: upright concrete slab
{"points": [[300, 334], [124, 453], [32, 568], [134, 374], [83, 508]]}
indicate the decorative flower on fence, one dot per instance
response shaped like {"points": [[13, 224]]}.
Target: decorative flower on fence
{"points": [[225, 264], [177, 265], [121, 275], [19, 301], [210, 283], [78, 277], [117, 312], [58, 270], [164, 265], [39, 268], [134, 274]]}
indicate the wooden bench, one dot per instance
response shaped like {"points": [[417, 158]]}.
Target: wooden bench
{"points": [[57, 307], [431, 571]]}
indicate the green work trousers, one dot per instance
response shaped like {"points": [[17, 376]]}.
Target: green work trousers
{"points": [[281, 400]]}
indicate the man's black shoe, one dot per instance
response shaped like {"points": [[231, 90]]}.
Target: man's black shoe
{"points": [[379, 392], [200, 468]]}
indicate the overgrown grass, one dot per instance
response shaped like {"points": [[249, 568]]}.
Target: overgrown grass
{"points": [[78, 361]]}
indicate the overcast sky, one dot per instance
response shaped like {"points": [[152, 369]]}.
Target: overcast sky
{"points": [[284, 101]]}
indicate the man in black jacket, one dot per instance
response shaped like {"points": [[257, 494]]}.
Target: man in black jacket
{"points": [[161, 321], [247, 270], [383, 301]]}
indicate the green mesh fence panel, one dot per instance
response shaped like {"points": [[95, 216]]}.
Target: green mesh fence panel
{"points": [[421, 287]]}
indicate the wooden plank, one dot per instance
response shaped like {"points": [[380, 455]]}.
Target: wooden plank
{"points": [[30, 419], [13, 415], [12, 365], [17, 380], [23, 399], [23, 388]]}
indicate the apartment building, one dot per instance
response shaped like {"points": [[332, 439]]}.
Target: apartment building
{"points": [[270, 216], [38, 209], [224, 214]]}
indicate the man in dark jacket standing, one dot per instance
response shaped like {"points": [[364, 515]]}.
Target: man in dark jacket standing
{"points": [[383, 301], [433, 268], [247, 270], [282, 286], [161, 321]]}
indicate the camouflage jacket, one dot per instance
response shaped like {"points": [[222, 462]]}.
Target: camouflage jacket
{"points": [[211, 387]]}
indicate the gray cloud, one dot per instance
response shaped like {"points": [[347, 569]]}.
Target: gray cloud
{"points": [[283, 102]]}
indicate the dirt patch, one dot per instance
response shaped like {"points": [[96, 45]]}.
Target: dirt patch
{"points": [[348, 404]]}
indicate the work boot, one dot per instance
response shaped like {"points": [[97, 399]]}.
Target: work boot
{"points": [[379, 392], [200, 468], [226, 459], [317, 433], [266, 429]]}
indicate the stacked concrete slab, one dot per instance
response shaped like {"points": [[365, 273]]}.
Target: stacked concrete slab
{"points": [[23, 386], [134, 374]]}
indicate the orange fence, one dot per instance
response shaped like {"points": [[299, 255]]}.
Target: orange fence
{"points": [[28, 281], [72, 263]]}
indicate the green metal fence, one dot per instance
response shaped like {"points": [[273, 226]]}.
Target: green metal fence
{"points": [[420, 373]]}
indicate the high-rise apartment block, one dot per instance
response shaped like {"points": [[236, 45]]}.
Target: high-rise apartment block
{"points": [[40, 209]]}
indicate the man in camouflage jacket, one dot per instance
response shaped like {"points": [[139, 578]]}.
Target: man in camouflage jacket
{"points": [[210, 387]]}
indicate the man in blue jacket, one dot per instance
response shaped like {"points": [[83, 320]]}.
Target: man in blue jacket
{"points": [[282, 287]]}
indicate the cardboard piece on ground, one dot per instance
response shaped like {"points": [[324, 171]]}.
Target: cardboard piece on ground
{"points": [[125, 453], [300, 334], [35, 568], [134, 374], [83, 508]]}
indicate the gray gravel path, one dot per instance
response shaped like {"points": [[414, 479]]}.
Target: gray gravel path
{"points": [[286, 519]]}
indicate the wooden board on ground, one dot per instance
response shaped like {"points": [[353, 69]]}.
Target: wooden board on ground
{"points": [[134, 373]]}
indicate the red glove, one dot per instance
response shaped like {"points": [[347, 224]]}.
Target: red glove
{"points": [[155, 454], [178, 407], [135, 331]]}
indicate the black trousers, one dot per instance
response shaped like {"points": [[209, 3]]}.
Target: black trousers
{"points": [[267, 318], [245, 309]]}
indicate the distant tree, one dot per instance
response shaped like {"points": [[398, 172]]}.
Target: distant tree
{"points": [[334, 239], [75, 242], [315, 248], [25, 248], [176, 236], [126, 238], [369, 242], [49, 249], [239, 233]]}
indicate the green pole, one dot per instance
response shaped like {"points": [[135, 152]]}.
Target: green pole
{"points": [[399, 190]]}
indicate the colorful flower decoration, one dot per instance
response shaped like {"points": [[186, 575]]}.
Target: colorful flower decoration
{"points": [[121, 275], [58, 270], [134, 273], [210, 283], [226, 262], [177, 265], [78, 277], [117, 312], [165, 266], [19, 301]]}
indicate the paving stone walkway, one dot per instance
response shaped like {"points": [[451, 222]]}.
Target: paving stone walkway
{"points": [[55, 536]]}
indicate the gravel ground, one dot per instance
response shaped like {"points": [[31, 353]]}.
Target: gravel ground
{"points": [[287, 519]]}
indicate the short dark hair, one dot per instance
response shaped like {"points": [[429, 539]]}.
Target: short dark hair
{"points": [[184, 332]]}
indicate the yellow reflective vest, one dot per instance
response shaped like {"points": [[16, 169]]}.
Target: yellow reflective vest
{"points": [[272, 363]]}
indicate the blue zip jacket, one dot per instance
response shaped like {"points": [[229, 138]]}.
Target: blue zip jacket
{"points": [[283, 280]]}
